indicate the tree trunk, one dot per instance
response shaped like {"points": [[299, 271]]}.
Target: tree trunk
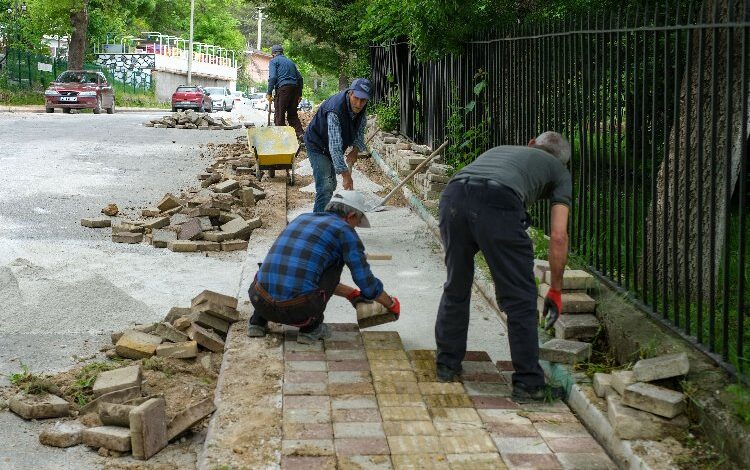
{"points": [[79, 19], [683, 179]]}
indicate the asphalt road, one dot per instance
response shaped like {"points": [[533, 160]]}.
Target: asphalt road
{"points": [[64, 288]]}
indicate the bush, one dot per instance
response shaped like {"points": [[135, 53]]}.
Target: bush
{"points": [[389, 113]]}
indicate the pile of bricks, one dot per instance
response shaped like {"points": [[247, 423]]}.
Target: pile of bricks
{"points": [[220, 216], [578, 323], [126, 421], [642, 403], [191, 120], [204, 324], [432, 183]]}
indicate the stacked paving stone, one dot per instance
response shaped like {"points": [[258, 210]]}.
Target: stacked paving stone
{"points": [[220, 216], [642, 403], [192, 120], [184, 330], [130, 422], [578, 323], [359, 400]]}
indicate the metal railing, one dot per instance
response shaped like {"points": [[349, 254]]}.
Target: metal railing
{"points": [[655, 103]]}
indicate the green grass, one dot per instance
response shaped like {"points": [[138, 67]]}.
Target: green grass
{"points": [[19, 97], [158, 364], [740, 400], [31, 383], [80, 390]]}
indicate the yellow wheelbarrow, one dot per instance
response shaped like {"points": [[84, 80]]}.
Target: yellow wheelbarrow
{"points": [[275, 149]]}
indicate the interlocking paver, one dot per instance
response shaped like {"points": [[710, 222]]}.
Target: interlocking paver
{"points": [[305, 366], [362, 446], [364, 462], [344, 327], [400, 399], [307, 463], [420, 462], [522, 445], [396, 387], [345, 355], [357, 430], [357, 415], [531, 461], [409, 428], [475, 442], [307, 447], [346, 365], [387, 355], [488, 461], [359, 401], [312, 388], [458, 415], [404, 413], [393, 376], [354, 401], [414, 444], [440, 388], [308, 431]]}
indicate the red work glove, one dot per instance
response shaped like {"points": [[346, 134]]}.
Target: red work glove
{"points": [[355, 297], [552, 308], [395, 308]]}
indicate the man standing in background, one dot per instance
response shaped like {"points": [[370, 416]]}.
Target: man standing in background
{"points": [[284, 77]]}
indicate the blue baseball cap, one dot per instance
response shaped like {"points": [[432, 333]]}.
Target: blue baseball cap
{"points": [[361, 88]]}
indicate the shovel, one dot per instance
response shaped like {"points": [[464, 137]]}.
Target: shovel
{"points": [[381, 206]]}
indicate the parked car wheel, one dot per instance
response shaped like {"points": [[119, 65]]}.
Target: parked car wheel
{"points": [[174, 110], [111, 109], [66, 110], [98, 108], [49, 110]]}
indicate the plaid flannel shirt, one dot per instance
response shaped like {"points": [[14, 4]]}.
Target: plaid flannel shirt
{"points": [[309, 245], [334, 139]]}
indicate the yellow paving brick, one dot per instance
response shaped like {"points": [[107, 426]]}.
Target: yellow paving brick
{"points": [[426, 375], [364, 388], [448, 401], [413, 444], [454, 428], [488, 461], [400, 399], [423, 364], [381, 335], [475, 443], [459, 415], [404, 413], [420, 462], [421, 354], [440, 388], [409, 428], [387, 355], [383, 345], [393, 376], [396, 387], [389, 364]]}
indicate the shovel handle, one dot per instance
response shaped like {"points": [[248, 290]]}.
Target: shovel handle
{"points": [[414, 172]]}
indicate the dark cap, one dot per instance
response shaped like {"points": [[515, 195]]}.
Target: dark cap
{"points": [[277, 49], [361, 88]]}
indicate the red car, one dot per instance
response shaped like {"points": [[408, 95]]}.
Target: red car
{"points": [[193, 97], [80, 89]]}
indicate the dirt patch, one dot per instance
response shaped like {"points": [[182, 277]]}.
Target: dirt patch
{"points": [[370, 168]]}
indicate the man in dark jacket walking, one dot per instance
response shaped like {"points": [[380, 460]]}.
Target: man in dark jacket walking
{"points": [[484, 208], [285, 79], [338, 124]]}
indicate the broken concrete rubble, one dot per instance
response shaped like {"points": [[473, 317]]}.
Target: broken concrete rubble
{"points": [[214, 298], [62, 434], [190, 417], [148, 428], [109, 437], [96, 222], [137, 345], [40, 406], [117, 379], [115, 414]]}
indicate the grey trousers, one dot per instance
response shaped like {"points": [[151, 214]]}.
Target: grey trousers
{"points": [[479, 214]]}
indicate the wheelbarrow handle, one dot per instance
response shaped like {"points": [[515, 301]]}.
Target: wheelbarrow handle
{"points": [[411, 175]]}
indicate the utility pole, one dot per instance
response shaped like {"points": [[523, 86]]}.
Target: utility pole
{"points": [[260, 21], [190, 45]]}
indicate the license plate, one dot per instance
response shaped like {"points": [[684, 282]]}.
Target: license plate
{"points": [[69, 98]]}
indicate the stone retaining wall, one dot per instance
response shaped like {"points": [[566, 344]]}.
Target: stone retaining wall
{"points": [[132, 69]]}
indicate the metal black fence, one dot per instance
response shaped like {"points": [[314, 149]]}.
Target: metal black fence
{"points": [[30, 71], [654, 101]]}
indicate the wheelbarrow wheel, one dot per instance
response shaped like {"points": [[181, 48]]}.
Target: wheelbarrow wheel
{"points": [[272, 173], [290, 177]]}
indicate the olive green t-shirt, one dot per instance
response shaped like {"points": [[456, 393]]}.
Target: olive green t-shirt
{"points": [[531, 172]]}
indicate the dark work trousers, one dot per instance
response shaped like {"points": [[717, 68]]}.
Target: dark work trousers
{"points": [[305, 311], [286, 108], [479, 214]]}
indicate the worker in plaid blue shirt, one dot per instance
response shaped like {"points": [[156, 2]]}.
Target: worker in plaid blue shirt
{"points": [[303, 269]]}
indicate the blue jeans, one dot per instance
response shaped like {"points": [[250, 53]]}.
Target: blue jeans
{"points": [[325, 179]]}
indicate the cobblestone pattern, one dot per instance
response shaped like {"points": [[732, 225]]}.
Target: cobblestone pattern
{"points": [[360, 401]]}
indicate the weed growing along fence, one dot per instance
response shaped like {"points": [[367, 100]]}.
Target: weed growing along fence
{"points": [[655, 103]]}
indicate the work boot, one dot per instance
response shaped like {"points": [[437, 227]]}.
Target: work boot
{"points": [[256, 331], [321, 332], [446, 374], [523, 393]]}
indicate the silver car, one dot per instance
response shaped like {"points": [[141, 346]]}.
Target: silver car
{"points": [[221, 98]]}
